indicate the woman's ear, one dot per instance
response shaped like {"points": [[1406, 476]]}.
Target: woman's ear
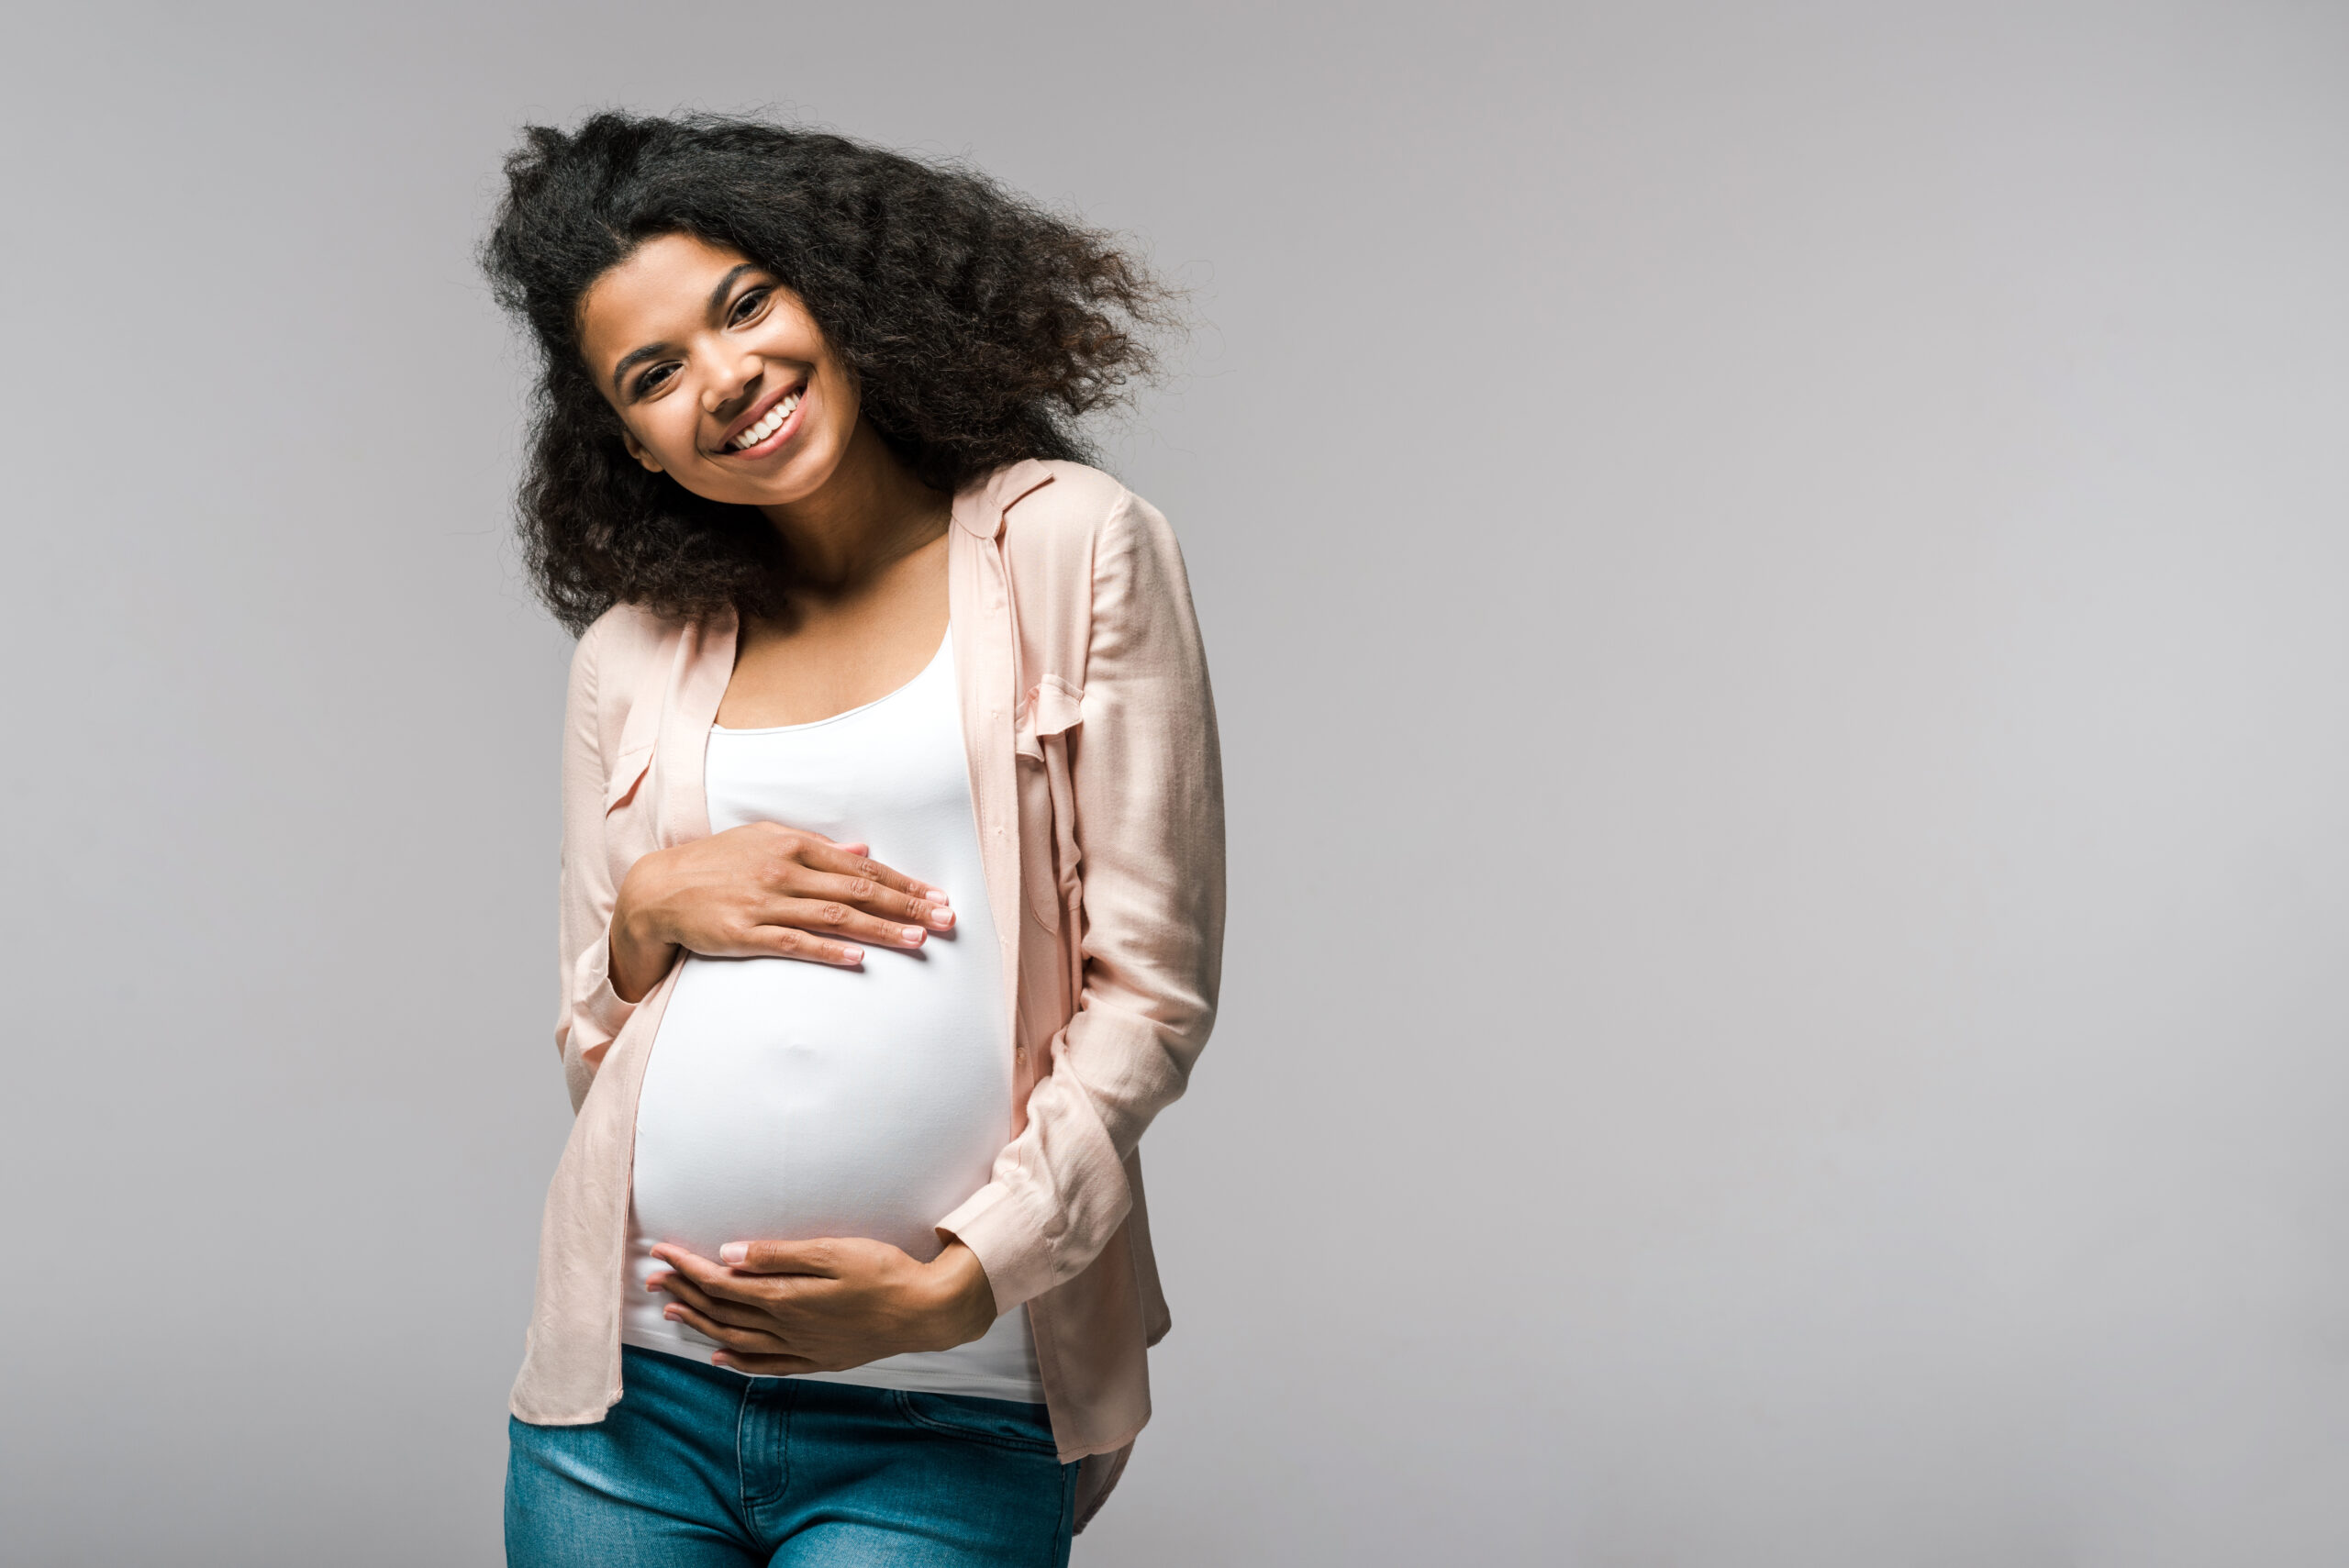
{"points": [[637, 449]]}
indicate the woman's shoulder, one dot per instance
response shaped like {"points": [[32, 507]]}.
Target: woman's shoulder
{"points": [[621, 642], [625, 631], [1057, 506], [1079, 545], [1069, 493]]}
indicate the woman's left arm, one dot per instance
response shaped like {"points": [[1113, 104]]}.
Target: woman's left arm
{"points": [[1148, 778]]}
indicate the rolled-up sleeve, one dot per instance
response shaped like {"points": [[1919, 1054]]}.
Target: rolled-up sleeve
{"points": [[590, 1012], [1147, 778]]}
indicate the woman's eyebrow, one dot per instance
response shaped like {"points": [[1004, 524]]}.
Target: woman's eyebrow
{"points": [[718, 294], [634, 357]]}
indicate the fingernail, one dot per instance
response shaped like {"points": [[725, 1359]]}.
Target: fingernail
{"points": [[852, 955], [941, 918], [938, 895], [734, 1252], [913, 933], [673, 1315]]}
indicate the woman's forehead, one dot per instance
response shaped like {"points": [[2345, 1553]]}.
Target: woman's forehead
{"points": [[665, 284]]}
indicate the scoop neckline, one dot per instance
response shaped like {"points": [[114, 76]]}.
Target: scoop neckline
{"points": [[944, 643]]}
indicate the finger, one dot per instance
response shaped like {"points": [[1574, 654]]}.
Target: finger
{"points": [[820, 1258], [756, 1340], [836, 921], [719, 1281], [767, 1366], [741, 1314], [839, 858], [695, 1268], [784, 941], [873, 897]]}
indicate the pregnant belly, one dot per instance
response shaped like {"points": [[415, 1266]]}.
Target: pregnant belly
{"points": [[787, 1100]]}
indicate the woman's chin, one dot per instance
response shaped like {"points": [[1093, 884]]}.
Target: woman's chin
{"points": [[784, 480]]}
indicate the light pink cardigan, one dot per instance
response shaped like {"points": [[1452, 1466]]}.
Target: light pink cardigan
{"points": [[1096, 788]]}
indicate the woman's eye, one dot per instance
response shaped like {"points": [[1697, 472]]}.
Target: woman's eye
{"points": [[748, 305], [651, 381]]}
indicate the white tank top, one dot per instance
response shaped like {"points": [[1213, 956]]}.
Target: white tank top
{"points": [[791, 1100]]}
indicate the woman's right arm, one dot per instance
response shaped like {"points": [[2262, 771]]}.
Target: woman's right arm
{"points": [[590, 1013], [763, 890], [759, 891]]}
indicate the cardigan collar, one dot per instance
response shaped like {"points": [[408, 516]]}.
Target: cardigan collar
{"points": [[979, 509]]}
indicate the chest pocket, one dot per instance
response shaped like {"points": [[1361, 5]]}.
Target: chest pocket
{"points": [[1054, 885], [628, 811], [627, 777]]}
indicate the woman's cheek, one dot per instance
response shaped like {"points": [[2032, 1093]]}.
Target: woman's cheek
{"points": [[679, 450]]}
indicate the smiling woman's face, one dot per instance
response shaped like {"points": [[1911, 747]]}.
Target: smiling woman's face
{"points": [[721, 378]]}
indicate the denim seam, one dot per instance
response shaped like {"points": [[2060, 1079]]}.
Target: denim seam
{"points": [[991, 1440], [742, 1458], [1064, 1532]]}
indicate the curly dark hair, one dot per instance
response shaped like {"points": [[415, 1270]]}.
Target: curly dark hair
{"points": [[980, 328]]}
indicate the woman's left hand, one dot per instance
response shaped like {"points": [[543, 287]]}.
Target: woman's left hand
{"points": [[825, 1305]]}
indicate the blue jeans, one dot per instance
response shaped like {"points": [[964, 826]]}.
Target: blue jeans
{"points": [[699, 1468]]}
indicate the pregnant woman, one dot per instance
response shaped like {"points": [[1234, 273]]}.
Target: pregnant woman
{"points": [[892, 875]]}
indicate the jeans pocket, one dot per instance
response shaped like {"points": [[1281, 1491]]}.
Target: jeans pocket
{"points": [[998, 1422]]}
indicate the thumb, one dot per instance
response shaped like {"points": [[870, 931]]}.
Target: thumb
{"points": [[780, 1257]]}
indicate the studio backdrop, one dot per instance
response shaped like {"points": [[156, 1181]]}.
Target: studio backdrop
{"points": [[1776, 582]]}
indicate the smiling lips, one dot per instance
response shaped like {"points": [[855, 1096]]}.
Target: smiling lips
{"points": [[773, 420]]}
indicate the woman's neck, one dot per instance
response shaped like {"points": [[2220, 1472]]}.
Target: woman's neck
{"points": [[871, 513]]}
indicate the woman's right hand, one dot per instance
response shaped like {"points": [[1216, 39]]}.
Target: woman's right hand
{"points": [[763, 890]]}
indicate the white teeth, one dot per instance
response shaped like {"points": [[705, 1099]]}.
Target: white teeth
{"points": [[768, 426]]}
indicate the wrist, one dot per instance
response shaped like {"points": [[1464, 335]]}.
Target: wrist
{"points": [[962, 1301], [639, 952], [629, 925], [629, 914]]}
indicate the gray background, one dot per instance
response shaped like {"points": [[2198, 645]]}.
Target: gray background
{"points": [[1776, 579]]}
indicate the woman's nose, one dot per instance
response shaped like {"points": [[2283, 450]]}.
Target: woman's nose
{"points": [[727, 388]]}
